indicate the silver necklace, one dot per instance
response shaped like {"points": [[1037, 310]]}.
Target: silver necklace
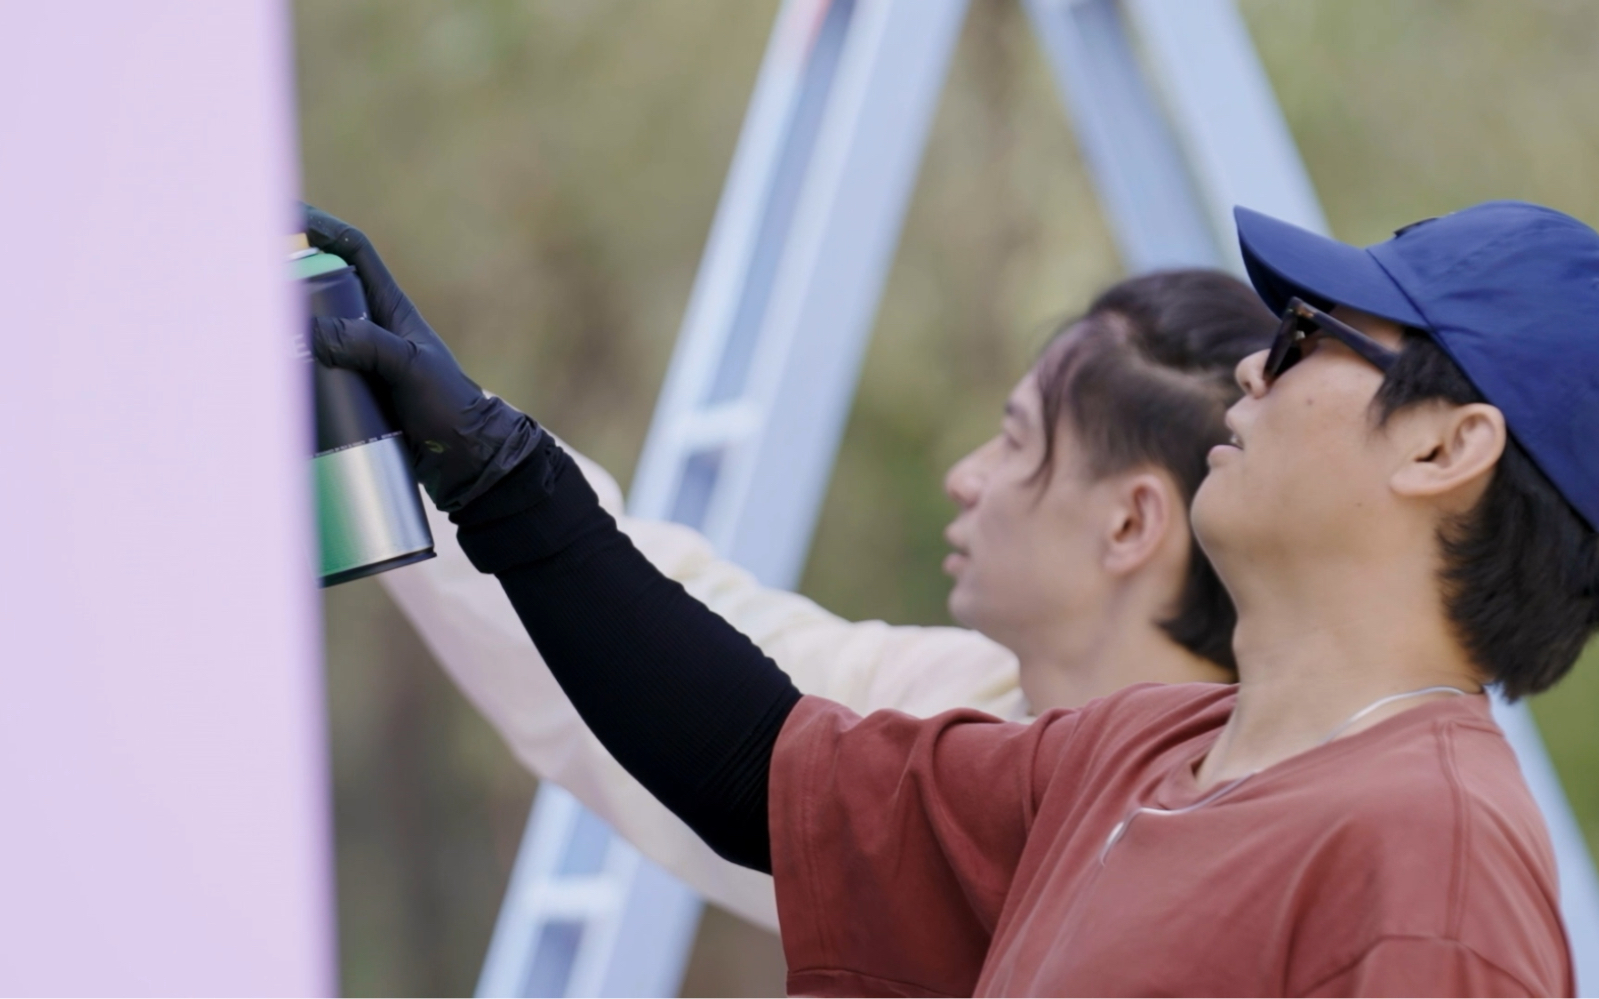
{"points": [[1342, 727]]}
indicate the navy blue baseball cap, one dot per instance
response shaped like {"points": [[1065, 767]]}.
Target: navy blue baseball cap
{"points": [[1509, 290]]}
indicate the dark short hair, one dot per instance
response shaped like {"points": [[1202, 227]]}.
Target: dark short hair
{"points": [[1520, 571], [1145, 377]]}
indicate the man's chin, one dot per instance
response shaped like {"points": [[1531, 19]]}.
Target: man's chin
{"points": [[1222, 526], [959, 605], [1209, 512]]}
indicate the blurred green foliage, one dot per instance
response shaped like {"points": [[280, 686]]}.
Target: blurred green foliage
{"points": [[541, 176]]}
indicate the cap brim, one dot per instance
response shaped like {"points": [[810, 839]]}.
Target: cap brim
{"points": [[1285, 261]]}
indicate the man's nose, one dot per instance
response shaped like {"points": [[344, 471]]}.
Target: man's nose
{"points": [[962, 483], [1251, 374]]}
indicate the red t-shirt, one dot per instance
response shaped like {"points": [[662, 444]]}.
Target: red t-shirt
{"points": [[961, 854]]}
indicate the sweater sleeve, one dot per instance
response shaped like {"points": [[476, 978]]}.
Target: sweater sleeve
{"points": [[687, 704]]}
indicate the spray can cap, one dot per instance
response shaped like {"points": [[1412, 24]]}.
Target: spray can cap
{"points": [[306, 261]]}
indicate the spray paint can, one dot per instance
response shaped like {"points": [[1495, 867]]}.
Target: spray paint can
{"points": [[369, 511]]}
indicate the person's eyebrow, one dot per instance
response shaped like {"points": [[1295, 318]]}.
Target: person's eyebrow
{"points": [[1018, 413]]}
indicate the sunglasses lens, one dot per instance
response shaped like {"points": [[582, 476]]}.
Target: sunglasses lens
{"points": [[1284, 348]]}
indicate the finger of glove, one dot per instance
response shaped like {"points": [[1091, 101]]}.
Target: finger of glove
{"points": [[388, 303], [361, 345]]}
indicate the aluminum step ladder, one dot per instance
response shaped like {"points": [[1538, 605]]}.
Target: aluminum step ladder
{"points": [[1177, 123]]}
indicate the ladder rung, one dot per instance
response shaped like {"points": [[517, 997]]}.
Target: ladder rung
{"points": [[577, 898], [717, 426]]}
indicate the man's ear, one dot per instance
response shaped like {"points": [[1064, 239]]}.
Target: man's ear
{"points": [[1453, 451], [1141, 518]]}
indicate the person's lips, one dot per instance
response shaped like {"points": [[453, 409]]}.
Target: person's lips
{"points": [[1221, 451], [956, 560], [1234, 445]]}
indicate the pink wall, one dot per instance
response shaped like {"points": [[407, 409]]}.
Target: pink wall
{"points": [[163, 792]]}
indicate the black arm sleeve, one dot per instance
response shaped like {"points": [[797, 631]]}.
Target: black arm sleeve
{"points": [[682, 700]]}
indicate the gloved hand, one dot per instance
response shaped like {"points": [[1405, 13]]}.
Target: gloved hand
{"points": [[462, 441]]}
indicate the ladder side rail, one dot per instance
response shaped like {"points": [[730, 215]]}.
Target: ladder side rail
{"points": [[655, 927], [1579, 884], [836, 263], [1204, 66], [1134, 160], [505, 969], [735, 229]]}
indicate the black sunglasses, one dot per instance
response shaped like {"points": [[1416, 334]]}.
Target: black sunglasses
{"points": [[1302, 320]]}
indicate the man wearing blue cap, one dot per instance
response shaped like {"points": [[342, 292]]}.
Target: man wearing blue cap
{"points": [[1406, 514]]}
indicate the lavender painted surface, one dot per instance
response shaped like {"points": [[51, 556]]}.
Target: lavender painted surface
{"points": [[164, 820]]}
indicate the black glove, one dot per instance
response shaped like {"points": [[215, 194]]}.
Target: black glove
{"points": [[462, 441]]}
